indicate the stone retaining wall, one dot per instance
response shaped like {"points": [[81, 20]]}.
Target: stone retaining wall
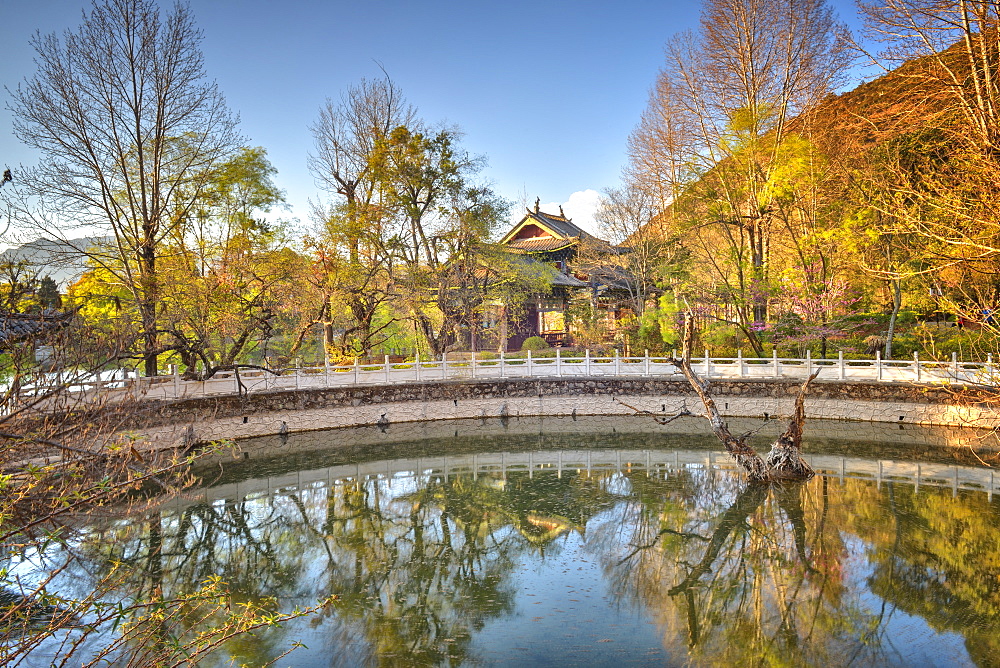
{"points": [[212, 418]]}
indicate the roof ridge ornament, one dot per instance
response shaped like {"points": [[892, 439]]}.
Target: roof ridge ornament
{"points": [[538, 201]]}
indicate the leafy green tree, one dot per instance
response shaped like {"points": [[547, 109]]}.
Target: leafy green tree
{"points": [[48, 293], [716, 144], [18, 287], [227, 273], [406, 236], [351, 277]]}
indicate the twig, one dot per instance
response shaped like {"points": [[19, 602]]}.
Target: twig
{"points": [[659, 419]]}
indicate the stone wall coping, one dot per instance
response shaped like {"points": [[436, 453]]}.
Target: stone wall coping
{"points": [[281, 411]]}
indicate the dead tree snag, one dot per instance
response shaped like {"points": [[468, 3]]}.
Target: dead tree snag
{"points": [[784, 461]]}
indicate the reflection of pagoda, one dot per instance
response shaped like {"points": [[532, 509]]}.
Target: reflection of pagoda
{"points": [[543, 507], [542, 529]]}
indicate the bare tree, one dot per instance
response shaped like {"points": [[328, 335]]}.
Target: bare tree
{"points": [[784, 461], [347, 138], [353, 257], [128, 127], [630, 218]]}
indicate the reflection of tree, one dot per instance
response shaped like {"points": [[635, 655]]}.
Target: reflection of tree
{"points": [[416, 572], [417, 564], [937, 556], [733, 574], [453, 546], [753, 577]]}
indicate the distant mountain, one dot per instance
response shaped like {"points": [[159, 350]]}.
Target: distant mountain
{"points": [[63, 260]]}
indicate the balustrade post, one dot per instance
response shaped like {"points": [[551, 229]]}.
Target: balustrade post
{"points": [[386, 368], [529, 365], [618, 366], [503, 362], [356, 370], [175, 372], [559, 362], [586, 361], [646, 359], [878, 365], [739, 360], [326, 368], [989, 368], [809, 363], [774, 356], [708, 365], [916, 364], [473, 363], [954, 364], [444, 365], [840, 364]]}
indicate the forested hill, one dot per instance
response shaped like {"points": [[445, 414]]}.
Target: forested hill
{"points": [[909, 98], [839, 224]]}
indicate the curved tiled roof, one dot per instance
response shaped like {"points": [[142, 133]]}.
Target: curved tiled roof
{"points": [[560, 227], [559, 224], [539, 244], [560, 232], [19, 326], [568, 281]]}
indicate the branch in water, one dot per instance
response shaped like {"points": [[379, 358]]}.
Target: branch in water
{"points": [[784, 461], [684, 412]]}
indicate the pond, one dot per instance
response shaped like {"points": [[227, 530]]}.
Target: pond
{"points": [[583, 542]]}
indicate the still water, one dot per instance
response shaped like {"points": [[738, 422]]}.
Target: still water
{"points": [[590, 543]]}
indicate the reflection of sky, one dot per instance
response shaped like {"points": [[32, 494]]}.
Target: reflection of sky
{"points": [[907, 640], [565, 614]]}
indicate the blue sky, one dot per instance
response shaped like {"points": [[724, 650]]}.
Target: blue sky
{"points": [[548, 91]]}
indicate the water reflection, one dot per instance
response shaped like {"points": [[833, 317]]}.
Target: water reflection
{"points": [[588, 556]]}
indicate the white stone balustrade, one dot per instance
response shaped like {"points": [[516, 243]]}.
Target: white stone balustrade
{"points": [[589, 365]]}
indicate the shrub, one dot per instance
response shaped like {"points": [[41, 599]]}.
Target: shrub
{"points": [[939, 342], [722, 339], [535, 343]]}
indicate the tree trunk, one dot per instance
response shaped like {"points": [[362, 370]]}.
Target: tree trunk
{"points": [[897, 300], [502, 346], [148, 300], [784, 461]]}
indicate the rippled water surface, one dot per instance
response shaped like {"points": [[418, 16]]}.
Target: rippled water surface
{"points": [[554, 542]]}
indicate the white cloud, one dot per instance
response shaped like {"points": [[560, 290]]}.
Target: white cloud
{"points": [[580, 208]]}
